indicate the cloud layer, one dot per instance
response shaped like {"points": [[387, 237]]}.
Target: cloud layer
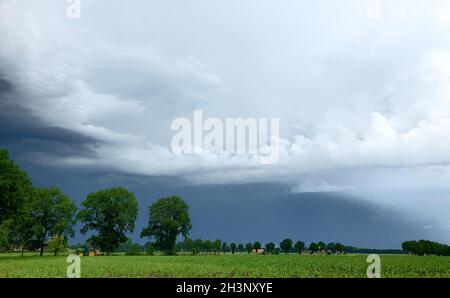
{"points": [[352, 92]]}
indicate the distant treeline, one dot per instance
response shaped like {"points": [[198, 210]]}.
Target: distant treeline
{"points": [[353, 250], [425, 247], [200, 246]]}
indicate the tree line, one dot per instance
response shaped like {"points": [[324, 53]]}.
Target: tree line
{"points": [[425, 247], [286, 246], [32, 218]]}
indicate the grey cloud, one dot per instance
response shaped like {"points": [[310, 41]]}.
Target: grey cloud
{"points": [[352, 93]]}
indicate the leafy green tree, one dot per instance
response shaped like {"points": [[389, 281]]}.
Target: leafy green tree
{"points": [[20, 233], [168, 218], [331, 247], [4, 236], [198, 246], [270, 248], [15, 187], [188, 244], [233, 247], [208, 245], [125, 246], [135, 249], [57, 244], [149, 249], [52, 214], [111, 212], [225, 248], [313, 247], [339, 247], [217, 244], [425, 247], [249, 247], [286, 245], [409, 246], [322, 246], [257, 245], [300, 246], [240, 247]]}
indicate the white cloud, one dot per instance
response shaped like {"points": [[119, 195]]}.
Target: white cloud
{"points": [[350, 93]]}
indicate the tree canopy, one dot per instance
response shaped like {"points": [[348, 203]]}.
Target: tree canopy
{"points": [[425, 247], [286, 245], [300, 246], [111, 212], [52, 214], [15, 187], [168, 218]]}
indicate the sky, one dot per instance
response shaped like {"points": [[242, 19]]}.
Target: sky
{"points": [[360, 87]]}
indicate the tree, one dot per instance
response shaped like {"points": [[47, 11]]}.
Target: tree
{"points": [[168, 218], [208, 245], [256, 246], [198, 246], [125, 246], [188, 244], [135, 249], [331, 247], [322, 246], [52, 214], [240, 247], [249, 247], [313, 247], [20, 233], [15, 187], [111, 212], [233, 247], [300, 246], [339, 247], [425, 247], [4, 236], [225, 248], [57, 244], [217, 245], [286, 245], [149, 249], [270, 248]]}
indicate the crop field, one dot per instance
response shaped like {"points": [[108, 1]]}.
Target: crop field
{"points": [[233, 266]]}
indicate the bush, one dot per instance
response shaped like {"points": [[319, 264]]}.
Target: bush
{"points": [[134, 250], [150, 250]]}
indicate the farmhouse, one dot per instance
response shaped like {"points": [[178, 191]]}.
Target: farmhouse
{"points": [[259, 251]]}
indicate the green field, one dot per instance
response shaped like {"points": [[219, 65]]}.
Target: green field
{"points": [[226, 266]]}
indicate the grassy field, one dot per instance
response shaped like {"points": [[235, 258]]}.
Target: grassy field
{"points": [[225, 266]]}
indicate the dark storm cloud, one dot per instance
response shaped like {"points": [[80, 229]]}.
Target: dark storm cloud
{"points": [[5, 86], [28, 134], [267, 213], [254, 212]]}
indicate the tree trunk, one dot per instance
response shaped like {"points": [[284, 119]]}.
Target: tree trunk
{"points": [[41, 252]]}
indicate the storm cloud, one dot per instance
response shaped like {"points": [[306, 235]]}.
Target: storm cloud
{"points": [[363, 100]]}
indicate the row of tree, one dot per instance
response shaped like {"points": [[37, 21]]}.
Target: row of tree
{"points": [[425, 247], [286, 246], [30, 216]]}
